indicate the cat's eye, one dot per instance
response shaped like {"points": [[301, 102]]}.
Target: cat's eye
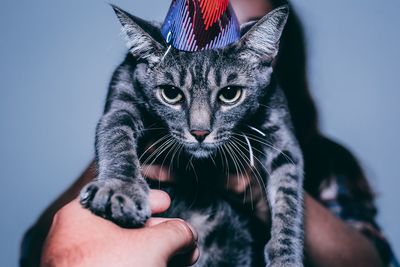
{"points": [[170, 94], [230, 95]]}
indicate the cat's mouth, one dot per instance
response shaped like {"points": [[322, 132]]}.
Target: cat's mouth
{"points": [[204, 148]]}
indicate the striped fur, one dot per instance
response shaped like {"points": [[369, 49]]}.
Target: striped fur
{"points": [[253, 135]]}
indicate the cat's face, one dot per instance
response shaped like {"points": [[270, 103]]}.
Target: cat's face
{"points": [[203, 96]]}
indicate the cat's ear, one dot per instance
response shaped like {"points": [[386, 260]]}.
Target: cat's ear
{"points": [[144, 39], [260, 40]]}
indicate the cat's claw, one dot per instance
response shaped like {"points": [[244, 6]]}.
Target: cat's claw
{"points": [[124, 203]]}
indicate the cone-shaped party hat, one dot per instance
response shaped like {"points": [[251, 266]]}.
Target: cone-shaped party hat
{"points": [[194, 25]]}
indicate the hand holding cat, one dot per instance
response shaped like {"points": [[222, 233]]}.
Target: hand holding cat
{"points": [[78, 238], [243, 189]]}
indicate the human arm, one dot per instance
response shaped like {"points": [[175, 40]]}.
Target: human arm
{"points": [[330, 242], [33, 240]]}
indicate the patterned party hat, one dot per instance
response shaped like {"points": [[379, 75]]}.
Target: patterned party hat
{"points": [[195, 25]]}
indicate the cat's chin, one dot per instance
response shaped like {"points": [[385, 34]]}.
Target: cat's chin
{"points": [[201, 152]]}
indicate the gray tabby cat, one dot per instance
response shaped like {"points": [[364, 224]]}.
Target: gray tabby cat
{"points": [[211, 113]]}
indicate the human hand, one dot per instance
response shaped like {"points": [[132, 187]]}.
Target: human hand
{"points": [[246, 188], [79, 238]]}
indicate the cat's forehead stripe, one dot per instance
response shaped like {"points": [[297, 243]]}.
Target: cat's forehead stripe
{"points": [[182, 77], [207, 71], [202, 73], [218, 77], [169, 76], [231, 77]]}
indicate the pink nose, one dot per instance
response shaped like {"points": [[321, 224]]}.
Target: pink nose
{"points": [[200, 135]]}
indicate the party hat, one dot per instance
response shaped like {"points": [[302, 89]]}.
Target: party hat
{"points": [[195, 25]]}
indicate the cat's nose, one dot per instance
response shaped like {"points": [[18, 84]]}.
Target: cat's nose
{"points": [[200, 135]]}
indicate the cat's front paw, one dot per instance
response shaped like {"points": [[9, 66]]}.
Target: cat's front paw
{"points": [[125, 203]]}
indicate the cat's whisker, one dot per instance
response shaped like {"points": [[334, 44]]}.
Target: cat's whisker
{"points": [[260, 152], [257, 130], [169, 143], [167, 146], [255, 171], [188, 163], [242, 176], [239, 166], [171, 149], [158, 151], [230, 153], [164, 140], [255, 157], [243, 145], [259, 139], [177, 147], [227, 154], [151, 129], [154, 153], [219, 154], [266, 106], [224, 157], [212, 159], [254, 148], [251, 155], [266, 143], [152, 145], [194, 170], [197, 183], [245, 159], [179, 155], [166, 53]]}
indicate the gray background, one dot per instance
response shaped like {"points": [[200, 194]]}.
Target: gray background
{"points": [[56, 58]]}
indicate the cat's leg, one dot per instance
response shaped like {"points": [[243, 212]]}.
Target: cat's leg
{"points": [[119, 193], [285, 195]]}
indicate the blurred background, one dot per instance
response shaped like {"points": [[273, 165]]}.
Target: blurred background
{"points": [[56, 59]]}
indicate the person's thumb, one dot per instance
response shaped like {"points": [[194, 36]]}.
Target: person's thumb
{"points": [[173, 237]]}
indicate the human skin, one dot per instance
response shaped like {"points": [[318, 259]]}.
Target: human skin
{"points": [[78, 238], [329, 242]]}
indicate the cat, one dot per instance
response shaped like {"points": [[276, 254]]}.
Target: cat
{"points": [[204, 114]]}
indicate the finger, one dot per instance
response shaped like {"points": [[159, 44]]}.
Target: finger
{"points": [[177, 237], [159, 201], [194, 257], [156, 172], [186, 259], [157, 220], [238, 183]]}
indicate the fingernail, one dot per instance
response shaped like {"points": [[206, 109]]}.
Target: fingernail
{"points": [[195, 235], [195, 256]]}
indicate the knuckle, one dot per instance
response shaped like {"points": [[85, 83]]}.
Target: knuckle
{"points": [[60, 215], [63, 214]]}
